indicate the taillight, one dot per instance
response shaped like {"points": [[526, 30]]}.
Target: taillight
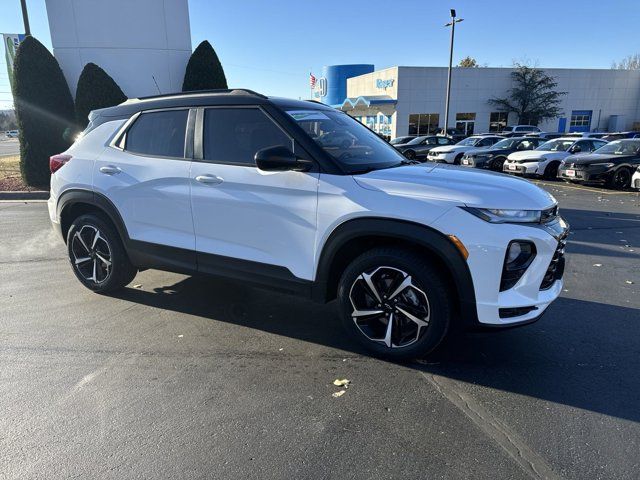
{"points": [[57, 161]]}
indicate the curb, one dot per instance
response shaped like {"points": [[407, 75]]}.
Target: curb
{"points": [[33, 195]]}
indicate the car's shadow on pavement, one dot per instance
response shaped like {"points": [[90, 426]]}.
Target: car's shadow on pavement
{"points": [[582, 354]]}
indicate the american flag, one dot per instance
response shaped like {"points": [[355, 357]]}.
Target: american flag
{"points": [[312, 80]]}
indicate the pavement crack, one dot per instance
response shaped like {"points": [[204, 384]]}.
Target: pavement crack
{"points": [[531, 462]]}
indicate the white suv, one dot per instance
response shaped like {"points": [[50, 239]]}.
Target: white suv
{"points": [[237, 185], [544, 160], [453, 153]]}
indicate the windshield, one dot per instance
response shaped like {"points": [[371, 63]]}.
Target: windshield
{"points": [[416, 141], [469, 142], [507, 129], [353, 145], [621, 147], [556, 145], [503, 144]]}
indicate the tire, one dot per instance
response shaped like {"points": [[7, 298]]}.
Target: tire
{"points": [[410, 154], [620, 179], [424, 297], [551, 172], [458, 159], [90, 256], [497, 164]]}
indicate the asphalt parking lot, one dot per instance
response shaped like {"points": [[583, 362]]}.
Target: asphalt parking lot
{"points": [[179, 377]]}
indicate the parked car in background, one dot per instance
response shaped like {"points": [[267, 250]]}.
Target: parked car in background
{"points": [[635, 180], [336, 139], [518, 130], [612, 165], [493, 157], [609, 137], [401, 140], [453, 153], [545, 135], [544, 160], [419, 147], [586, 134], [12, 134]]}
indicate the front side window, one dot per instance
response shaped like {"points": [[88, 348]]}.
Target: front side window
{"points": [[158, 134], [353, 145], [234, 135]]}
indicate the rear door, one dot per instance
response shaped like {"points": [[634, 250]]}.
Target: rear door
{"points": [[145, 174], [250, 222]]}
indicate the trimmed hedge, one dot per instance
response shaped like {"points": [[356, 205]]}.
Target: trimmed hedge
{"points": [[96, 89], [204, 71], [44, 110]]}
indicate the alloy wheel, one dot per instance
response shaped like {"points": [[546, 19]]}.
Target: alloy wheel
{"points": [[622, 179], [388, 307], [91, 254]]}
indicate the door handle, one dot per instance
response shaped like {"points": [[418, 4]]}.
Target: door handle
{"points": [[209, 179], [109, 170]]}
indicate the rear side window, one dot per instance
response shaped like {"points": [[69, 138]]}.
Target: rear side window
{"points": [[158, 134], [234, 135]]}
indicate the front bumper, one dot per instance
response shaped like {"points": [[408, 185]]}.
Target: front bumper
{"points": [[487, 244], [441, 157], [585, 175], [524, 169], [475, 162], [635, 180]]}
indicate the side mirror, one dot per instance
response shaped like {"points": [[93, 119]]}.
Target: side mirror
{"points": [[576, 149], [280, 159]]}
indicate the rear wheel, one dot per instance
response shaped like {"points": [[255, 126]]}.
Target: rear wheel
{"points": [[97, 255], [620, 179], [394, 303]]}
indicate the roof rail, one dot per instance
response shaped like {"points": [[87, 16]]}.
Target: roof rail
{"points": [[200, 92]]}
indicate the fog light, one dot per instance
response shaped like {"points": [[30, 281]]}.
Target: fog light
{"points": [[520, 254]]}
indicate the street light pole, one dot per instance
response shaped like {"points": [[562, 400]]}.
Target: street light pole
{"points": [[451, 24], [25, 17]]}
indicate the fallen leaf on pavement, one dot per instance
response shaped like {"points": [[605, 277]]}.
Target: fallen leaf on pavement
{"points": [[338, 394], [341, 383]]}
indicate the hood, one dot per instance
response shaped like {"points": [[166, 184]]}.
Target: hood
{"points": [[597, 158], [461, 185], [537, 155]]}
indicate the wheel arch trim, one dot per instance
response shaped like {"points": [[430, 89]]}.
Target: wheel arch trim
{"points": [[79, 196], [426, 237]]}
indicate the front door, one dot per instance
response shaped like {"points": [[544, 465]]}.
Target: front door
{"points": [[257, 223]]}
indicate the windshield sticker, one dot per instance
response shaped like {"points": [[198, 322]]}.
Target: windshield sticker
{"points": [[307, 115]]}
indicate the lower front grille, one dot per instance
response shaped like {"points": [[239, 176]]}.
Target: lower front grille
{"points": [[515, 312], [556, 267]]}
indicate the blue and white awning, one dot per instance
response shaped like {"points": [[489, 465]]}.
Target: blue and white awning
{"points": [[367, 102]]}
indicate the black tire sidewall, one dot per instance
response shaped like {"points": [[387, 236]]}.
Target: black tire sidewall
{"points": [[424, 275], [122, 272]]}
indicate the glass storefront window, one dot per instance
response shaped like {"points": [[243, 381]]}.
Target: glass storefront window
{"points": [[423, 123], [498, 121]]}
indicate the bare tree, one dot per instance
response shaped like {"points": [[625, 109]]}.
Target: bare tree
{"points": [[630, 62]]}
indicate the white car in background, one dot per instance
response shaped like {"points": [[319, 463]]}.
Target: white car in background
{"points": [[453, 153], [545, 159], [635, 180]]}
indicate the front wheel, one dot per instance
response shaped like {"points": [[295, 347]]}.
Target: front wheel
{"points": [[551, 172], [394, 303], [498, 164], [620, 179], [97, 255], [458, 159]]}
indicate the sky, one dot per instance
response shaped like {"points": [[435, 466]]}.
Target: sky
{"points": [[272, 45]]}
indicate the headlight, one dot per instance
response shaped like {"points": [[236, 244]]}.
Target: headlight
{"points": [[494, 215], [607, 165]]}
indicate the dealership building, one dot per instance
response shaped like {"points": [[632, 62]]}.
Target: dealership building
{"points": [[411, 100]]}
